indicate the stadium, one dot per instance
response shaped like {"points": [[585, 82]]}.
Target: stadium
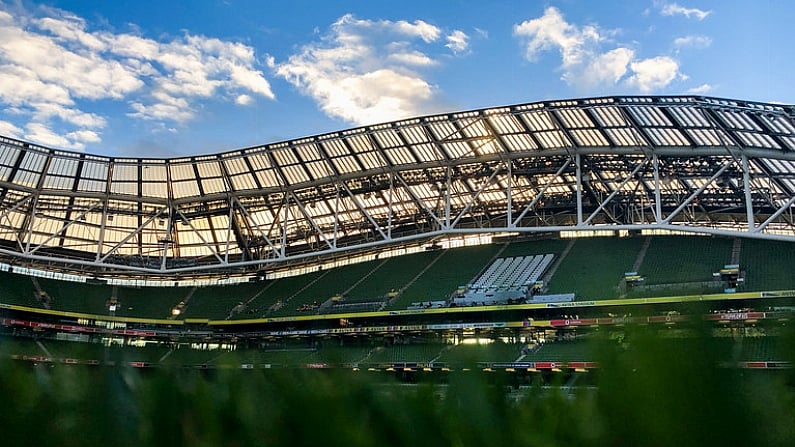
{"points": [[501, 240]]}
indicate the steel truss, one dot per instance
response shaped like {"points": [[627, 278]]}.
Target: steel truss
{"points": [[715, 166]]}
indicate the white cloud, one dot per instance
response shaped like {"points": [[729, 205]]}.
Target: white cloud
{"points": [[673, 9], [244, 100], [692, 42], [366, 71], [10, 130], [419, 28], [653, 73], [42, 134], [457, 41], [412, 58], [551, 31], [164, 108], [53, 68], [45, 111], [701, 89], [84, 136], [587, 61]]}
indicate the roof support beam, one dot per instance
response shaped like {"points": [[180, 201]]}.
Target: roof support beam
{"points": [[541, 193], [474, 197], [364, 211], [257, 226], [64, 227], [615, 191], [787, 206], [698, 191], [133, 233]]}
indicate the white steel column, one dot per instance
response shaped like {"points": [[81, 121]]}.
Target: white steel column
{"points": [[336, 216], [389, 206], [447, 200], [509, 213], [749, 204], [578, 165], [657, 200]]}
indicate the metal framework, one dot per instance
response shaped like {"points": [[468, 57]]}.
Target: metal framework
{"points": [[710, 165]]}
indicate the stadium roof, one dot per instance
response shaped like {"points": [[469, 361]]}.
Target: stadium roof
{"points": [[674, 163]]}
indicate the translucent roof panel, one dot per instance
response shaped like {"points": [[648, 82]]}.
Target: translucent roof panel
{"points": [[778, 124], [690, 117], [387, 138], [94, 176], [650, 116], [285, 156], [265, 173], [709, 137], [538, 120], [30, 168], [667, 137], [505, 124], [737, 120], [418, 135], [8, 158], [371, 160], [179, 172], [61, 173], [758, 140], [553, 139], [401, 156], [609, 116], [575, 118], [627, 136], [519, 142], [589, 137]]}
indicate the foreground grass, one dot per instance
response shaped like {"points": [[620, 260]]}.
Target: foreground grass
{"points": [[650, 393]]}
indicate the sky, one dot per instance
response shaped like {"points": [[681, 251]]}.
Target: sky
{"points": [[166, 79]]}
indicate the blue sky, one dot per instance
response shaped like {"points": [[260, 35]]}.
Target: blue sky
{"points": [[173, 78]]}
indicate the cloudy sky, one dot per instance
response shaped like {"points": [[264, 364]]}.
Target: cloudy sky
{"points": [[155, 78]]}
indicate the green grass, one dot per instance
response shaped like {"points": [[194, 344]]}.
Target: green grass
{"points": [[651, 392]]}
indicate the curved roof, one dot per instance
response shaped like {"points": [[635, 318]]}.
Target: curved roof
{"points": [[496, 169]]}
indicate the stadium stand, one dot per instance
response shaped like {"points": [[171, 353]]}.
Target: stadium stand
{"points": [[571, 207], [594, 267], [768, 265], [416, 351], [452, 268], [468, 355], [560, 351], [672, 260], [506, 280]]}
